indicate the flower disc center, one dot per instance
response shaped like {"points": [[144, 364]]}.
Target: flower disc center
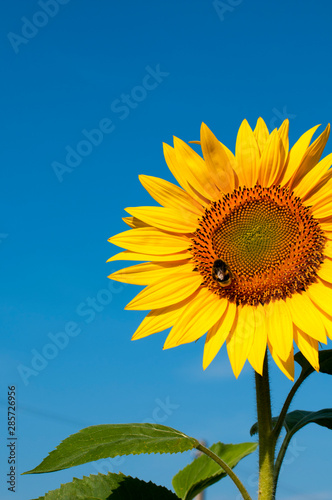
{"points": [[268, 239], [255, 236]]}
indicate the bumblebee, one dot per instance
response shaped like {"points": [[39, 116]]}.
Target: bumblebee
{"points": [[221, 273]]}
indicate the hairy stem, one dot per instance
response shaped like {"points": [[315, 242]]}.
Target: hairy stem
{"points": [[280, 458], [277, 428], [227, 469], [265, 437]]}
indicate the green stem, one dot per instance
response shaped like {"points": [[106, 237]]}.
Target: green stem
{"points": [[227, 469], [277, 428], [265, 437], [280, 458]]}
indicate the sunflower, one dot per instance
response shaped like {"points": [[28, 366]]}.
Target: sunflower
{"points": [[241, 249]]}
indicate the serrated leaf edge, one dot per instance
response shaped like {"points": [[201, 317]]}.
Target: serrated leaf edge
{"points": [[181, 435]]}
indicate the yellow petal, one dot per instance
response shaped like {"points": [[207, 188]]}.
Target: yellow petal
{"points": [[167, 219], [170, 290], [128, 255], [180, 172], [218, 334], [306, 316], [326, 226], [321, 189], [310, 158], [279, 328], [145, 274], [258, 349], [312, 178], [240, 340], [150, 240], [308, 346], [217, 160], [283, 134], [169, 195], [233, 163], [325, 271], [296, 154], [321, 295], [328, 248], [134, 223], [247, 155], [327, 320], [323, 208], [161, 319], [197, 172], [287, 367], [261, 134], [272, 160], [198, 317]]}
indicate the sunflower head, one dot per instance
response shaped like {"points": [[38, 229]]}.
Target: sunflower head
{"points": [[240, 249]]}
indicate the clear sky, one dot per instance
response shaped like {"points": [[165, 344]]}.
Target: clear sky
{"points": [[90, 90]]}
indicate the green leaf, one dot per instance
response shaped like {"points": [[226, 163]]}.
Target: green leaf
{"points": [[204, 472], [325, 362], [304, 363], [295, 420], [103, 441], [112, 486], [254, 429], [325, 366]]}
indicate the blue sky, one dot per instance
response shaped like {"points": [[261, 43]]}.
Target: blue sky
{"points": [[90, 90]]}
